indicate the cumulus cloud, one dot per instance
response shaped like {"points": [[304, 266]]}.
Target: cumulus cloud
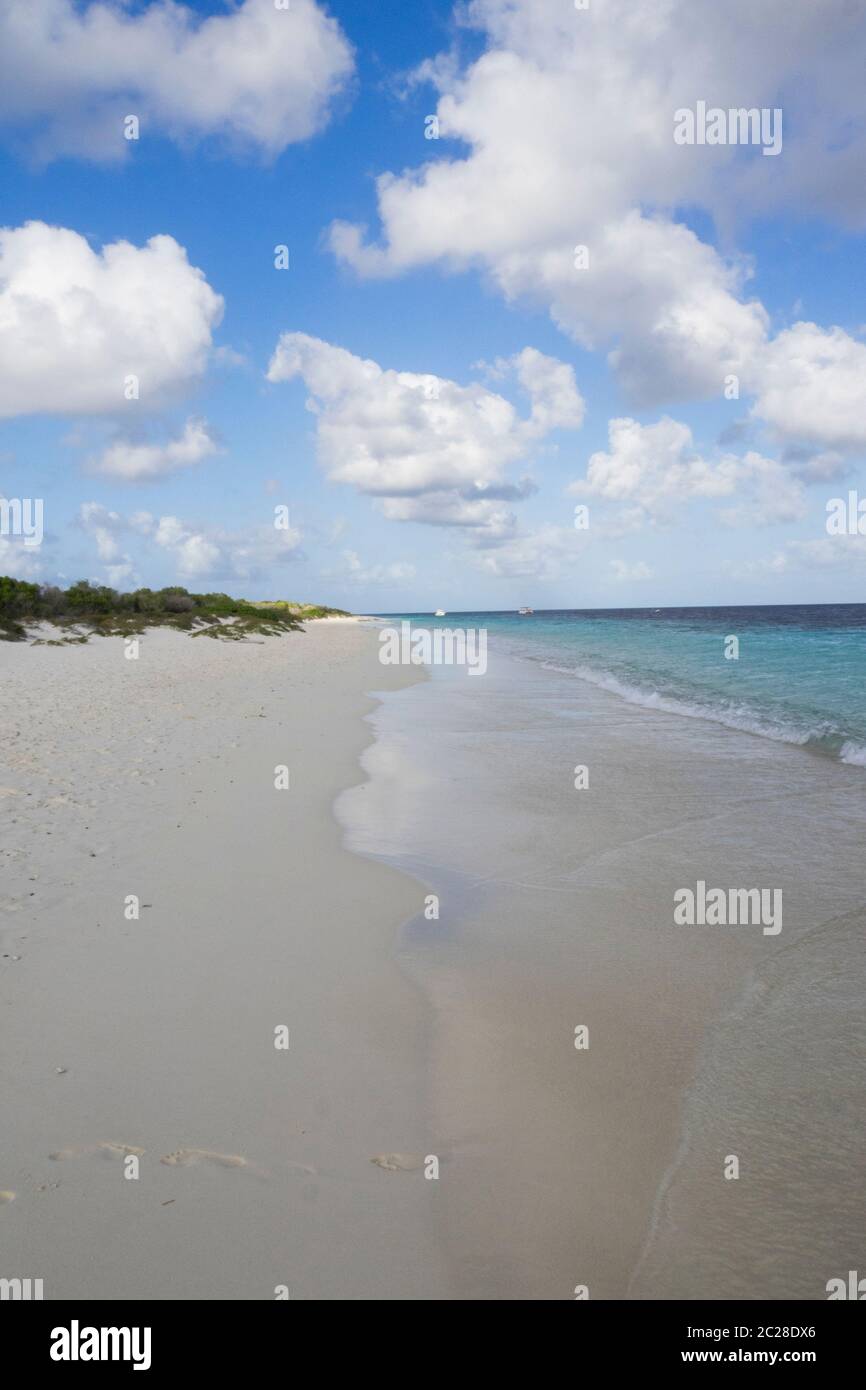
{"points": [[213, 552], [428, 448], [75, 323], [769, 493], [20, 561], [260, 75], [668, 302], [198, 552], [106, 528], [648, 463], [811, 388], [566, 122], [136, 462], [490, 518], [653, 467]]}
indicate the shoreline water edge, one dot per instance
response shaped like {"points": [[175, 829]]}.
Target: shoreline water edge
{"points": [[429, 1029], [635, 1102]]}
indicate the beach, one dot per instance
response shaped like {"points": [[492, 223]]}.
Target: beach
{"points": [[155, 777], [581, 1067], [599, 1165]]}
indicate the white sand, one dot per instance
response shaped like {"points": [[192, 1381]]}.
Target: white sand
{"points": [[155, 777], [153, 1039]]}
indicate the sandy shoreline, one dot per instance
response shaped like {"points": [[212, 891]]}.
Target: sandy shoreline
{"points": [[155, 777], [606, 1167], [303, 908]]}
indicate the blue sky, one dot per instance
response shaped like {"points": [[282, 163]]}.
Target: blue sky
{"points": [[701, 261]]}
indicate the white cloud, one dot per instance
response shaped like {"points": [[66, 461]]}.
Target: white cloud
{"points": [[666, 300], [654, 467], [74, 323], [648, 463], [566, 121], [826, 466], [828, 552], [543, 554], [769, 492], [259, 75], [104, 526], [395, 573], [842, 553], [124, 458], [194, 552], [811, 387], [556, 402], [212, 552], [20, 561], [430, 449], [198, 552], [119, 575], [481, 516]]}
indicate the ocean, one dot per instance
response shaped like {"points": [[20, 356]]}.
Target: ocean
{"points": [[612, 1167], [799, 675]]}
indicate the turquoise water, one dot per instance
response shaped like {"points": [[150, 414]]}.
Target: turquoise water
{"points": [[556, 908], [800, 674]]}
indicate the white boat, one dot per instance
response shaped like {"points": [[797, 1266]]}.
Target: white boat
{"points": [[525, 612], [440, 613]]}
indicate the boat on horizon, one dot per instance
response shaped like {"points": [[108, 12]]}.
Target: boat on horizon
{"points": [[440, 613], [525, 612]]}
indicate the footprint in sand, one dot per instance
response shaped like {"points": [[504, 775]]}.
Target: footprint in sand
{"points": [[108, 1150], [6, 1197], [187, 1158], [184, 1158], [398, 1163]]}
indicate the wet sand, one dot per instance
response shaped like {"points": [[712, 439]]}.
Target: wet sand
{"points": [[605, 1167]]}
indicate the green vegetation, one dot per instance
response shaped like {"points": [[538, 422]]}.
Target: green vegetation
{"points": [[85, 609], [302, 610]]}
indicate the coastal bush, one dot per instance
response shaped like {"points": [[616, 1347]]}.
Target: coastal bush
{"points": [[84, 609]]}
